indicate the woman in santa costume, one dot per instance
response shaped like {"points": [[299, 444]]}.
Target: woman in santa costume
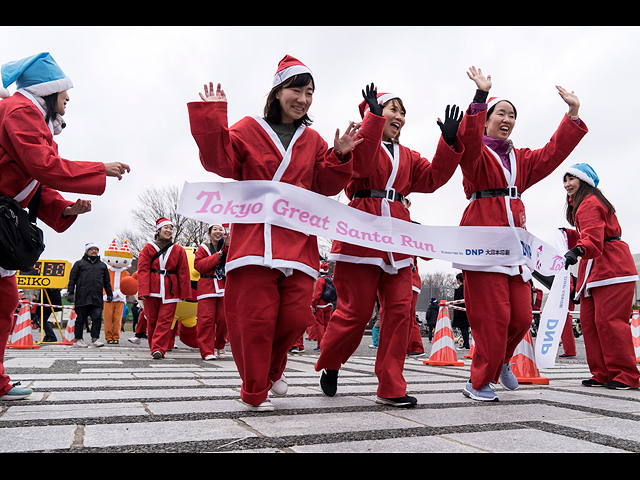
{"points": [[29, 160], [209, 262], [361, 272], [606, 281], [274, 266], [163, 280], [495, 174]]}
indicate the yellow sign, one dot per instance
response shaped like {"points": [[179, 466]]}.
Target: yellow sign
{"points": [[45, 274]]}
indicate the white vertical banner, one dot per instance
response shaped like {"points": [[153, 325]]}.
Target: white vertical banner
{"points": [[554, 313]]}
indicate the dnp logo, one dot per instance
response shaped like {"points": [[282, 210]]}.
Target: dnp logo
{"points": [[526, 249]]}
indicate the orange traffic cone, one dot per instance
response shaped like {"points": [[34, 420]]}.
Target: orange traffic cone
{"points": [[635, 332], [443, 349], [69, 333], [524, 365], [21, 337], [472, 349]]}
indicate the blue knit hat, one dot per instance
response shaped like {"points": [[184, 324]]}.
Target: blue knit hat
{"points": [[38, 74], [584, 172]]}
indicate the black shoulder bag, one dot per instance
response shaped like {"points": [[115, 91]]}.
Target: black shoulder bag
{"points": [[21, 241]]}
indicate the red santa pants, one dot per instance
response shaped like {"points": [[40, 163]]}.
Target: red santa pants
{"points": [[159, 319], [568, 340], [499, 313], [415, 339], [608, 342], [8, 304], [266, 314], [211, 325], [322, 317], [357, 285]]}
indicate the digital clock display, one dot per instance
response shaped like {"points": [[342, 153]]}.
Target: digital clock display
{"points": [[45, 274]]}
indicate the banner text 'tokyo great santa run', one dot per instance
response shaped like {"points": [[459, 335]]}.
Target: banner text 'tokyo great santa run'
{"points": [[288, 206]]}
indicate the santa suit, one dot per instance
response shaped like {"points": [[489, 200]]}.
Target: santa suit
{"points": [[360, 271], [275, 266], [323, 311], [498, 298], [415, 339], [28, 157], [211, 325], [606, 281], [164, 282]]}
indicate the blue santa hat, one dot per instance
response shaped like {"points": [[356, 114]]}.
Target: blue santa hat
{"points": [[38, 74], [584, 172]]}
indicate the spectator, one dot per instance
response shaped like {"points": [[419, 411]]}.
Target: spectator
{"points": [[88, 277]]}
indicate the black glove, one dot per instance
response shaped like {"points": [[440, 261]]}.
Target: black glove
{"points": [[571, 257], [371, 97], [451, 123], [71, 298], [109, 299]]}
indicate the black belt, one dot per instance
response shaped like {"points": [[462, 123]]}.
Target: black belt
{"points": [[388, 194], [166, 272], [496, 192], [613, 239]]}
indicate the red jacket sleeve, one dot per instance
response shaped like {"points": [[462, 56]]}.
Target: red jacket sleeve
{"points": [[317, 291], [203, 262]]}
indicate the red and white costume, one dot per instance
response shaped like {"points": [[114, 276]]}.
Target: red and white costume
{"points": [[164, 281], [606, 282], [274, 266], [323, 309], [361, 272], [211, 325], [415, 338], [28, 157], [498, 298]]}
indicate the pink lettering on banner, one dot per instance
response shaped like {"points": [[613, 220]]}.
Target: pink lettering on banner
{"points": [[407, 241], [208, 198], [343, 229], [238, 211], [281, 207]]}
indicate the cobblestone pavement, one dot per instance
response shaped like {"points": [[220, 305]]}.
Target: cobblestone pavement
{"points": [[118, 399]]}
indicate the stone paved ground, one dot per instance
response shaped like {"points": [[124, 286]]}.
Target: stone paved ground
{"points": [[118, 399]]}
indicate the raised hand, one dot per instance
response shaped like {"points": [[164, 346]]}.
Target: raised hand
{"points": [[451, 123], [371, 97], [211, 96], [347, 142], [570, 99], [482, 82]]}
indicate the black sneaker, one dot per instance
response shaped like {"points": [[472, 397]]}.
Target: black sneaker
{"points": [[618, 385], [400, 402], [329, 382], [591, 383]]}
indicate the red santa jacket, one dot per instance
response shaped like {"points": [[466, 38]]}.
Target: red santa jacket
{"points": [[482, 169], [318, 288], [604, 262], [28, 156], [172, 280], [205, 263], [405, 171], [250, 150]]}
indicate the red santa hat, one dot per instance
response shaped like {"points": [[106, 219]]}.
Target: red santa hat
{"points": [[287, 68], [493, 101], [324, 267], [162, 221], [382, 99]]}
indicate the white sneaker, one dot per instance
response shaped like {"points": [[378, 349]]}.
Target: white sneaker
{"points": [[97, 343], [265, 406], [221, 353], [135, 340], [279, 387], [157, 355], [80, 344], [209, 357]]}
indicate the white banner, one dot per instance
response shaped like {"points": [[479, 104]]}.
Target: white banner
{"points": [[554, 314], [288, 206]]}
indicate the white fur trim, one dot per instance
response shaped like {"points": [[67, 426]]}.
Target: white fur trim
{"points": [[288, 72], [579, 174], [47, 88]]}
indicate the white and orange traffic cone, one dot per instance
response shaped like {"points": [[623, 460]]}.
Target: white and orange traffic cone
{"points": [[21, 337], [443, 349], [635, 332], [69, 333], [472, 349], [524, 365]]}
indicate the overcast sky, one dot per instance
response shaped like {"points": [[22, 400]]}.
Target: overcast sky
{"points": [[132, 85]]}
